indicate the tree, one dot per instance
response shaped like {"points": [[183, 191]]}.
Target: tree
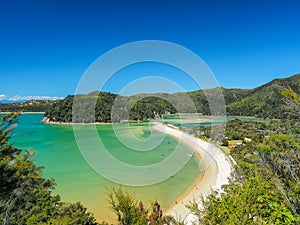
{"points": [[126, 208], [131, 212], [25, 196]]}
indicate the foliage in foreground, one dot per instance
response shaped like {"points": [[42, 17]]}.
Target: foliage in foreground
{"points": [[131, 212], [266, 187], [25, 196]]}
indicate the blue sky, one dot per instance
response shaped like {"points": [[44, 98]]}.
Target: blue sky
{"points": [[46, 46]]}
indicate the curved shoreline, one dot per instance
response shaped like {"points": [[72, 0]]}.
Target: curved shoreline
{"points": [[216, 167]]}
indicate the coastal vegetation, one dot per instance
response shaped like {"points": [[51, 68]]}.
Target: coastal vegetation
{"points": [[265, 187], [129, 211]]}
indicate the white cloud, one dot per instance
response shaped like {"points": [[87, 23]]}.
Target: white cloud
{"points": [[18, 98], [26, 98], [2, 96]]}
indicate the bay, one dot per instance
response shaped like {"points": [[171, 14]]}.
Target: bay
{"points": [[56, 149]]}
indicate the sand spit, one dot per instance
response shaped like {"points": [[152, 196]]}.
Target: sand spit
{"points": [[216, 168]]}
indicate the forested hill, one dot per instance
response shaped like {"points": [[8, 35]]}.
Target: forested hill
{"points": [[265, 101], [97, 107]]}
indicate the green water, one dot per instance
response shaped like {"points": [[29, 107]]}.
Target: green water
{"points": [[56, 149]]}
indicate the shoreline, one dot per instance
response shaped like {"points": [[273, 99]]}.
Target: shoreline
{"points": [[216, 171]]}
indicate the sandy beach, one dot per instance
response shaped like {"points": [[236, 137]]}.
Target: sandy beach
{"points": [[216, 170]]}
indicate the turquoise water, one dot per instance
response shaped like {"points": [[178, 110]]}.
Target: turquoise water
{"points": [[57, 150]]}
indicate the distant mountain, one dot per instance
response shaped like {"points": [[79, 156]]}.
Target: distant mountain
{"points": [[28, 106], [264, 101]]}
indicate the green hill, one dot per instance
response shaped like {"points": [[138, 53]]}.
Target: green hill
{"points": [[107, 107], [230, 95], [265, 101]]}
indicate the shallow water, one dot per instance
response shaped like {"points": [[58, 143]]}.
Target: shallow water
{"points": [[57, 150]]}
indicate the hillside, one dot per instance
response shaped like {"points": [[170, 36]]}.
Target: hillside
{"points": [[265, 101], [230, 95], [98, 107]]}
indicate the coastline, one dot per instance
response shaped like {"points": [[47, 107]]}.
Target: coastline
{"points": [[216, 171]]}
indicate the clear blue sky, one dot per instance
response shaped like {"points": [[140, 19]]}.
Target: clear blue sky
{"points": [[45, 46]]}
